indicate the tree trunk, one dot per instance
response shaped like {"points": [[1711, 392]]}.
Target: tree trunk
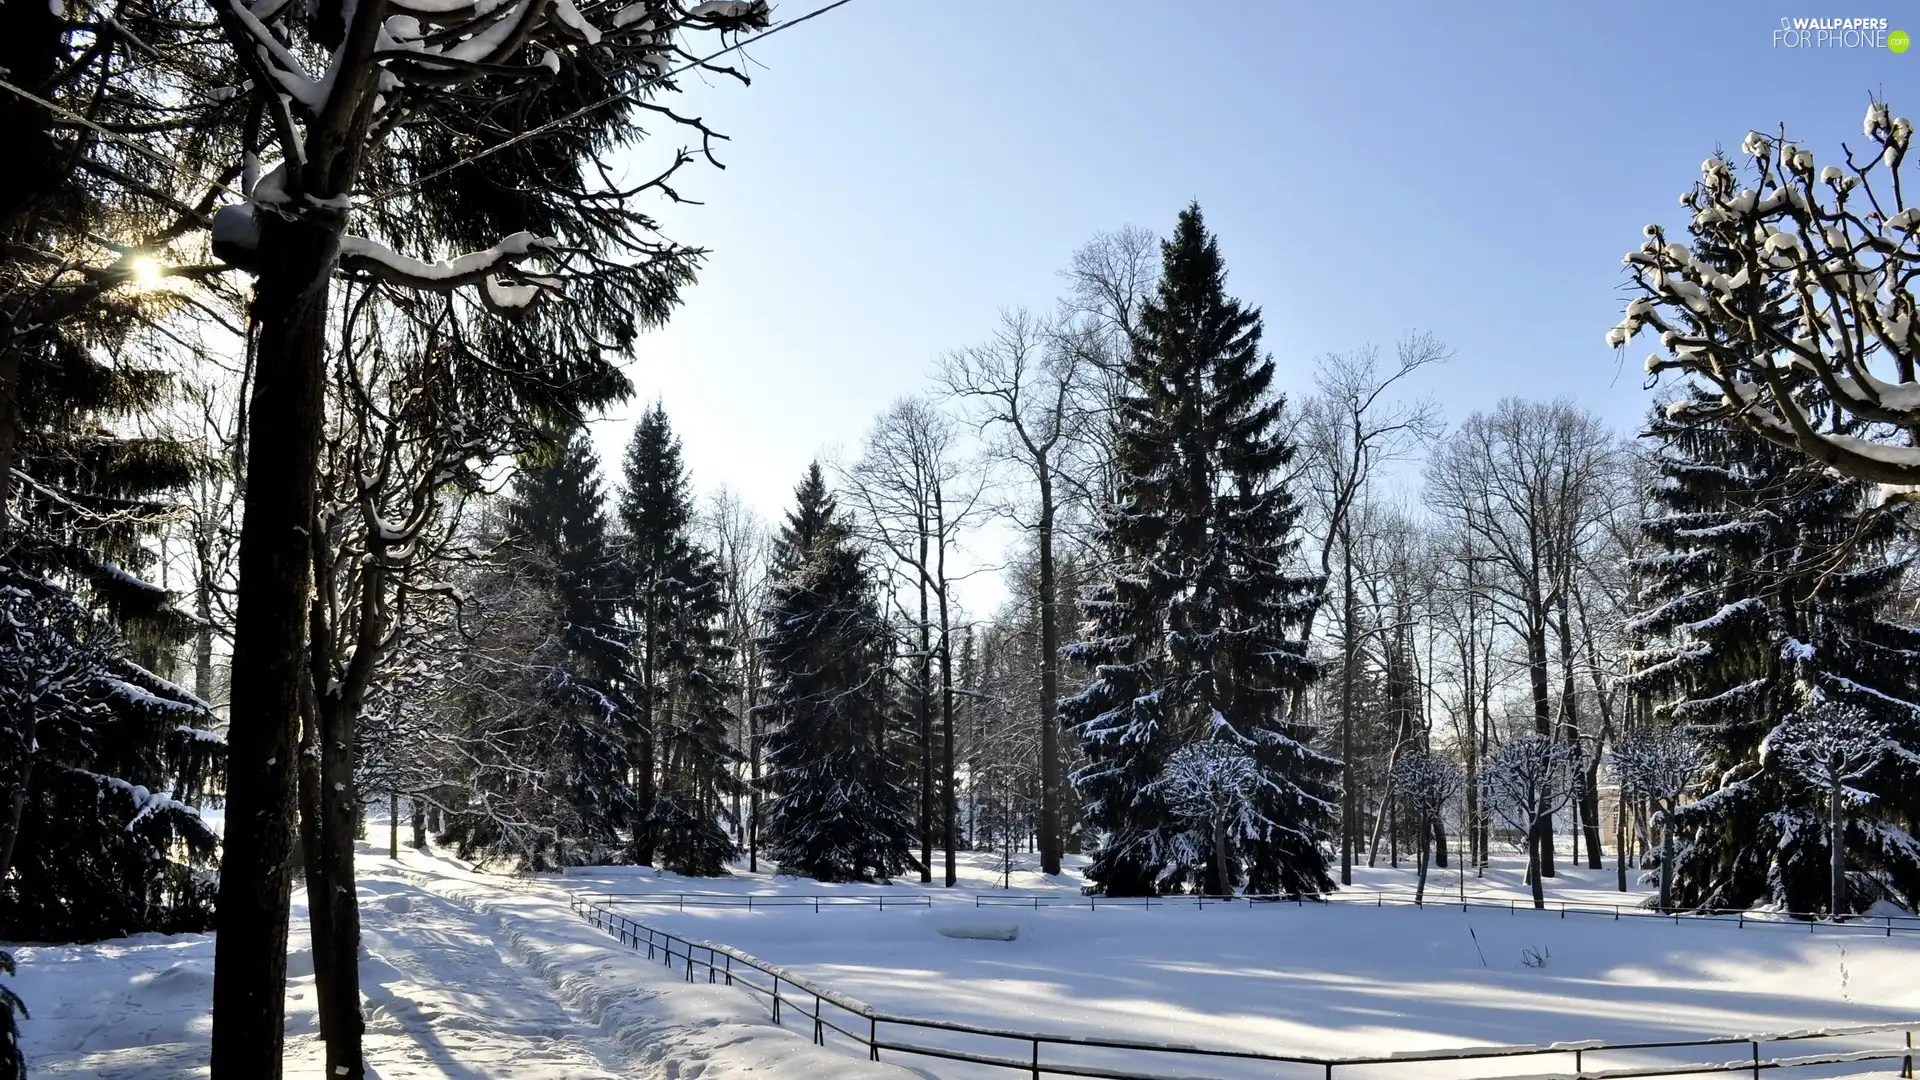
{"points": [[341, 821], [1620, 845], [1348, 647], [16, 804], [923, 699], [250, 950], [644, 791], [1666, 857], [419, 822], [1439, 830], [1542, 723], [1222, 879], [1537, 845], [1420, 884], [1837, 823], [948, 791], [1050, 838], [393, 824]]}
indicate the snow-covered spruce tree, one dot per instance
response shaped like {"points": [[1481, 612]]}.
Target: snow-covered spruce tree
{"points": [[77, 759], [105, 840], [1527, 780], [1660, 766], [1429, 783], [1831, 747], [1768, 582], [672, 606], [1193, 632], [836, 810]]}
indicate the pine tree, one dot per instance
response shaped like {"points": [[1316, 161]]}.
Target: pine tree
{"points": [[674, 610], [1188, 636], [98, 834], [558, 549], [837, 809], [1754, 619], [1768, 590]]}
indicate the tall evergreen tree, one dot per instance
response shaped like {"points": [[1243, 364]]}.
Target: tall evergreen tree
{"points": [[1767, 589], [1753, 616], [674, 608], [579, 745], [83, 851], [837, 809], [1193, 635]]}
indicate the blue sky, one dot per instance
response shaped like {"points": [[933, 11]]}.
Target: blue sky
{"points": [[902, 169]]}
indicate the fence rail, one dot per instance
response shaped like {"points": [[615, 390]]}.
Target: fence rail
{"points": [[1740, 917], [1040, 1054], [756, 901]]}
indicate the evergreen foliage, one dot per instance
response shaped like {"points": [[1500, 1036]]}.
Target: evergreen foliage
{"points": [[546, 723], [838, 810], [674, 608], [1194, 631], [1769, 585]]}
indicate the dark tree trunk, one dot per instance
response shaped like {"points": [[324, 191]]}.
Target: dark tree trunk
{"points": [[1542, 709], [419, 822], [250, 951], [1539, 845], [16, 806], [1420, 885], [393, 824], [340, 823], [1349, 646], [1439, 842], [1222, 876], [1050, 836], [1837, 841], [923, 705]]}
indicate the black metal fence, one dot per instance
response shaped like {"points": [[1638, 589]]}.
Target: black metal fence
{"points": [[1887, 924], [835, 1017], [758, 901]]}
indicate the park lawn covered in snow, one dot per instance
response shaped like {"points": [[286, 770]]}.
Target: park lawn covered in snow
{"points": [[1318, 979], [464, 980]]}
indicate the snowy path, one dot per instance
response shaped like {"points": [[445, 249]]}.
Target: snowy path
{"points": [[463, 980]]}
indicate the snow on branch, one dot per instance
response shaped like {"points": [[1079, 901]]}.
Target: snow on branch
{"points": [[1529, 777], [1659, 764], [1797, 289], [1428, 782], [494, 267], [1829, 745]]}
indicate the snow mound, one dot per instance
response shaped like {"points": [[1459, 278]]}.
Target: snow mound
{"points": [[184, 979], [1887, 909], [399, 903]]}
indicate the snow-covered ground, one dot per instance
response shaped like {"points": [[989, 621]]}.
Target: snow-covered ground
{"points": [[1316, 980], [464, 980], [471, 977]]}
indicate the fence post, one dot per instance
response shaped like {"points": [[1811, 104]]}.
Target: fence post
{"points": [[776, 999], [1756, 1059], [816, 905], [819, 1033], [1906, 1066], [873, 1039], [1036, 1059], [1579, 1061]]}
